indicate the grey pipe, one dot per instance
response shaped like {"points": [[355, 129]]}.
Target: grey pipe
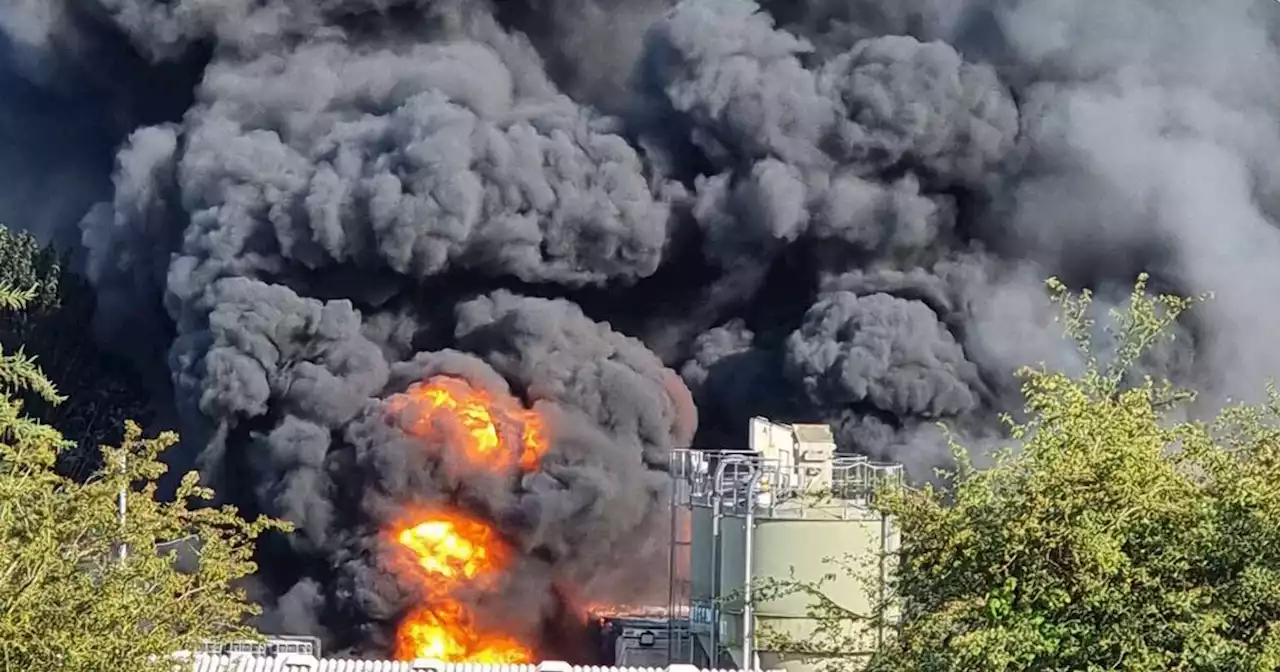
{"points": [[717, 513], [671, 560], [748, 611]]}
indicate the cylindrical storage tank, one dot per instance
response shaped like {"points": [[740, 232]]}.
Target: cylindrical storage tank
{"points": [[787, 548]]}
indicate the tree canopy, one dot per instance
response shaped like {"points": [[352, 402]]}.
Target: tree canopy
{"points": [[1113, 535], [103, 390], [70, 599]]}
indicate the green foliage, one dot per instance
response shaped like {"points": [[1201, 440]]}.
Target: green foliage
{"points": [[68, 600], [1113, 536], [32, 269], [837, 633], [53, 327]]}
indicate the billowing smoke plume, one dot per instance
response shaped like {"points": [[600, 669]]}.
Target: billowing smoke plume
{"points": [[816, 210]]}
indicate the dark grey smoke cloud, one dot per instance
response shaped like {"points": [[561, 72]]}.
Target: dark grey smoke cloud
{"points": [[880, 350], [816, 210]]}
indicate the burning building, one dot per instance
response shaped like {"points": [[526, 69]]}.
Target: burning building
{"points": [[773, 511], [463, 556]]}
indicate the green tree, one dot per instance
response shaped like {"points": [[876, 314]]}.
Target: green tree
{"points": [[71, 596], [103, 390], [1113, 535]]}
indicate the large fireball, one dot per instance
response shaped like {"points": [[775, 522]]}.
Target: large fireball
{"points": [[445, 632], [449, 550], [451, 547], [445, 548], [479, 422]]}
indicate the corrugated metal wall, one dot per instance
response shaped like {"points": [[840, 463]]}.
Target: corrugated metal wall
{"points": [[303, 663]]}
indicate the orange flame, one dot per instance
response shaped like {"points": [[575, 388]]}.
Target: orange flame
{"points": [[453, 403], [446, 632], [604, 610], [448, 548]]}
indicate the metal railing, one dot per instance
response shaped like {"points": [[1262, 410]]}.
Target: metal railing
{"points": [[747, 484], [272, 646], [701, 477]]}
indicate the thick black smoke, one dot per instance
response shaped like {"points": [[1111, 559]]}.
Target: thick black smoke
{"points": [[814, 210]]}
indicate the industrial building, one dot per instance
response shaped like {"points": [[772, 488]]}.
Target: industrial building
{"points": [[302, 654], [780, 510], [777, 510], [305, 663]]}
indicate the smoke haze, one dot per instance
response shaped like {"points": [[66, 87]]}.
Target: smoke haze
{"points": [[618, 212]]}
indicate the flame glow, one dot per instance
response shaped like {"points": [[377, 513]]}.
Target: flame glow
{"points": [[601, 610], [477, 418], [450, 547], [445, 632], [447, 549]]}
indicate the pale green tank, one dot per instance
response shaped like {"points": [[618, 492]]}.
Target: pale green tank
{"points": [[809, 505]]}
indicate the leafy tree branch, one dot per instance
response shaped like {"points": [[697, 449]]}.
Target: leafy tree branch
{"points": [[69, 600], [1110, 534]]}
